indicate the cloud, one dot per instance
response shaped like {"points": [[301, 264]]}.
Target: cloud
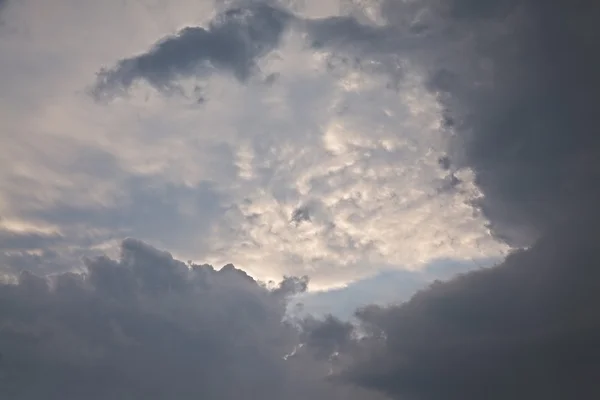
{"points": [[220, 182], [10, 240], [517, 82], [147, 325], [525, 329], [233, 42]]}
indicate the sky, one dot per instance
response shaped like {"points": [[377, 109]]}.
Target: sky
{"points": [[216, 139], [291, 199]]}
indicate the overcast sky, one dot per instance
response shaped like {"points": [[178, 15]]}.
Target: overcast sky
{"points": [[339, 156]]}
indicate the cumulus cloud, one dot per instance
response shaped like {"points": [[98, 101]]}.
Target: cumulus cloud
{"points": [[147, 325]]}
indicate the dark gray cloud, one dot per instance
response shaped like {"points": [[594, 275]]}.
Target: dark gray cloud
{"points": [[519, 81], [147, 325], [527, 329], [327, 336], [301, 214], [232, 42]]}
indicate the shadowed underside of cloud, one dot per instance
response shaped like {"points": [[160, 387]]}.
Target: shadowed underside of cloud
{"points": [[527, 329], [149, 326]]}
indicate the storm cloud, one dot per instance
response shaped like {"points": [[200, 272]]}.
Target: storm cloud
{"points": [[526, 329], [147, 325], [522, 95], [518, 80]]}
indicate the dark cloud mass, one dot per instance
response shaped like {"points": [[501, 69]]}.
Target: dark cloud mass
{"points": [[233, 42], [526, 329], [521, 88], [148, 326]]}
